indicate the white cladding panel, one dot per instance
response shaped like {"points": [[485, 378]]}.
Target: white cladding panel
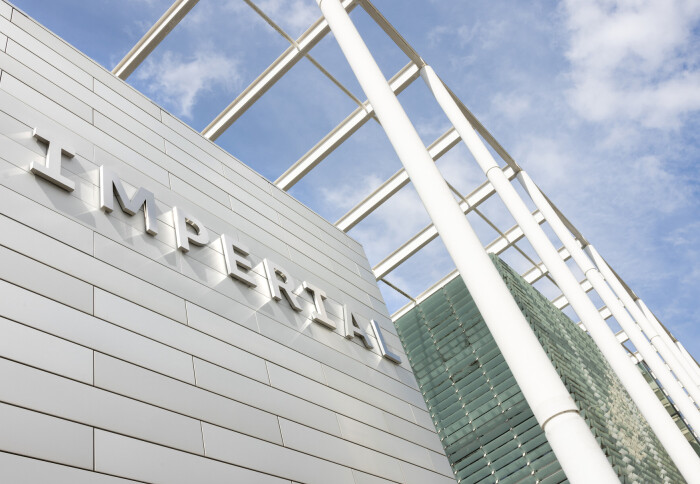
{"points": [[122, 357]]}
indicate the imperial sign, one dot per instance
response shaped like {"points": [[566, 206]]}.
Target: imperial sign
{"points": [[189, 230]]}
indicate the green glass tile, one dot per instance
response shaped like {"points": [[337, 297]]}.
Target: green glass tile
{"points": [[475, 473], [514, 472], [556, 478], [522, 475]]}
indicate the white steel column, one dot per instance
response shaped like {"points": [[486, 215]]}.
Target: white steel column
{"points": [[689, 359], [648, 352], [155, 35], [577, 451], [669, 341], [652, 328], [674, 355], [651, 408]]}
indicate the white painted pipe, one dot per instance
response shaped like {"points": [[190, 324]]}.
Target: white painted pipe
{"points": [[689, 359], [668, 381], [649, 405], [652, 328], [577, 451], [675, 356], [670, 342]]}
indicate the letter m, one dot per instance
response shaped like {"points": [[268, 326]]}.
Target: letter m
{"points": [[111, 185]]}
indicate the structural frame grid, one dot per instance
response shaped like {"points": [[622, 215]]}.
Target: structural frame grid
{"points": [[557, 259]]}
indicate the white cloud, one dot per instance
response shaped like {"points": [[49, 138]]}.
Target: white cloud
{"points": [[297, 14], [294, 16], [467, 41], [549, 157], [512, 105], [485, 35], [684, 236], [345, 196], [392, 224], [649, 186], [460, 169], [634, 60], [432, 127], [177, 82]]}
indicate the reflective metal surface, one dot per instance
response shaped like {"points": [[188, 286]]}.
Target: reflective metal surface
{"points": [[383, 348], [111, 185], [183, 237], [51, 170], [280, 284], [237, 262], [128, 355], [319, 314], [352, 327]]}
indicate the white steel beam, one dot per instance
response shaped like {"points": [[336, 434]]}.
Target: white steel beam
{"points": [[397, 181], [620, 335], [656, 332], [669, 435], [561, 302], [429, 233], [596, 278], [483, 132], [407, 49], [551, 403], [343, 131], [497, 246], [636, 358], [270, 76], [153, 37], [538, 272], [308, 56], [692, 364], [392, 32], [511, 236]]}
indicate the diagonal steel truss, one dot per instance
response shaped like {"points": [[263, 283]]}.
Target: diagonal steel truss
{"points": [[299, 49]]}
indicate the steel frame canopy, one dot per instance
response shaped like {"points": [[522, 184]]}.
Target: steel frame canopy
{"points": [[677, 372]]}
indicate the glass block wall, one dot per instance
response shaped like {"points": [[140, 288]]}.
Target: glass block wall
{"points": [[646, 371], [487, 428]]}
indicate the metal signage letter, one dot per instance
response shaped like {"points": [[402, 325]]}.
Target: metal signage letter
{"points": [[383, 348], [319, 315], [182, 237], [237, 263], [280, 284], [352, 327], [111, 185], [51, 169]]}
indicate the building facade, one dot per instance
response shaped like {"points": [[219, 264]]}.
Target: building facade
{"points": [[488, 429], [168, 315]]}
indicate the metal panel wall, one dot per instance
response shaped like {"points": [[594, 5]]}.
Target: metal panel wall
{"points": [[122, 356]]}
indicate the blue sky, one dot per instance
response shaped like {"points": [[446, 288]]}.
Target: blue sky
{"points": [[598, 99]]}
